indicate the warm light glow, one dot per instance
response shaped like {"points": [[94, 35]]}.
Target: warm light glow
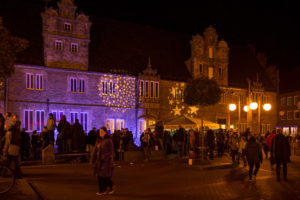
{"points": [[253, 106], [232, 107], [231, 126], [267, 107], [246, 108]]}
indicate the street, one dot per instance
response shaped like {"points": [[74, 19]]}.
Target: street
{"points": [[170, 179]]}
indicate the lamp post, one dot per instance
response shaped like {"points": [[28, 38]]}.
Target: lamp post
{"points": [[231, 108], [254, 106]]}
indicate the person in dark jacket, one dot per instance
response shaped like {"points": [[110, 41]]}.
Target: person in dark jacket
{"points": [[36, 145], [280, 150], [25, 145], [116, 137], [178, 138], [77, 136], [64, 136], [91, 140], [210, 138], [254, 156], [220, 143], [103, 162]]}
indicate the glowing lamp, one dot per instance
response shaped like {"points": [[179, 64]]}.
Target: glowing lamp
{"points": [[232, 107], [231, 126], [253, 106], [246, 108], [267, 107]]}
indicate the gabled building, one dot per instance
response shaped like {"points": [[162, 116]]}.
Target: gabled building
{"points": [[121, 75]]}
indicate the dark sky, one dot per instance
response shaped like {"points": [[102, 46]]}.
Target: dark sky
{"points": [[272, 27]]}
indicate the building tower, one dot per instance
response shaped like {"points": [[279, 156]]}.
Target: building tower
{"points": [[209, 57], [66, 37]]}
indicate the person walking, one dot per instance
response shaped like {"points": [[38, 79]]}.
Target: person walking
{"points": [[76, 134], [233, 146], [25, 145], [280, 150], [254, 156], [145, 139], [103, 162], [220, 143], [241, 151], [269, 144], [91, 140]]}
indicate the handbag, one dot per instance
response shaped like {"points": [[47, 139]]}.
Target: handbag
{"points": [[13, 150]]}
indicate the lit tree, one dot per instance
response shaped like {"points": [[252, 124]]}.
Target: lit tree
{"points": [[202, 92], [9, 47]]}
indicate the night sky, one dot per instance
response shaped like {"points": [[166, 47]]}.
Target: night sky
{"points": [[271, 28]]}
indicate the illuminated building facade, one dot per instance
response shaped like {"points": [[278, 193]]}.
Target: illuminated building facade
{"points": [[119, 75]]}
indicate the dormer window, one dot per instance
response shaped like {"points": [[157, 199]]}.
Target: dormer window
{"points": [[58, 45], [210, 52], [74, 47], [67, 27]]}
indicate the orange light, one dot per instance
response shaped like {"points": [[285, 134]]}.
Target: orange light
{"points": [[246, 108], [267, 107], [253, 106], [232, 107]]}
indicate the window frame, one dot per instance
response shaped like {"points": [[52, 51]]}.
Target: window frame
{"points": [[287, 115], [141, 88], [58, 45], [84, 120], [289, 101], [81, 85], [73, 85], [30, 81], [156, 89], [120, 123], [296, 111], [74, 47], [41, 119], [283, 101], [111, 127], [67, 27], [30, 124], [151, 89], [39, 81]]}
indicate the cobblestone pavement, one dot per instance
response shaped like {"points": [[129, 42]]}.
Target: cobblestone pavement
{"points": [[172, 179]]}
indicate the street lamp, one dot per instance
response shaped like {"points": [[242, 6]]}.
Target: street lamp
{"points": [[246, 108], [253, 106], [232, 107], [267, 107]]}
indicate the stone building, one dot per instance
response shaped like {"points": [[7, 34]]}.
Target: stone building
{"points": [[121, 75]]}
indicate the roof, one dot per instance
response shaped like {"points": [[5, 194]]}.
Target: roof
{"points": [[127, 46]]}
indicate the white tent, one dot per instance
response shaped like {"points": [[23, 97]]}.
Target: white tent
{"points": [[188, 122]]}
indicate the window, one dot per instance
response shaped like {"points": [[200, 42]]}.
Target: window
{"points": [[176, 94], [295, 100], [283, 101], [29, 81], [84, 120], [74, 115], [58, 45], [39, 120], [28, 120], [74, 47], [151, 89], [81, 86], [67, 27], [283, 115], [182, 95], [142, 126], [296, 114], [110, 125], [120, 124], [210, 72], [112, 88], [210, 52], [265, 99], [290, 101], [73, 87], [60, 113], [108, 87], [201, 68], [39, 81], [289, 115], [220, 71], [156, 89], [141, 88], [146, 88]]}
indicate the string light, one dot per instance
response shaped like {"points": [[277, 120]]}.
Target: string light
{"points": [[119, 93]]}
